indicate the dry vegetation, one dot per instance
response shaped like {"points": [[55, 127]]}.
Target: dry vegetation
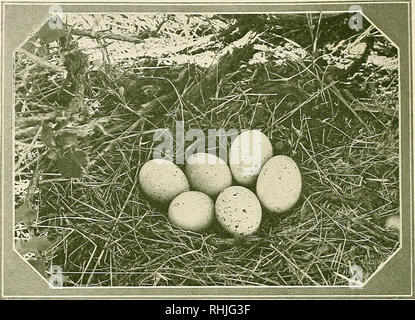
{"points": [[88, 99]]}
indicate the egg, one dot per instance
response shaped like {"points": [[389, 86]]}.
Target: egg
{"points": [[238, 210], [248, 153], [279, 184], [208, 173], [191, 210], [162, 180]]}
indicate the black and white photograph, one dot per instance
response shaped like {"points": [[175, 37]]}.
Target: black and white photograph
{"points": [[195, 149]]}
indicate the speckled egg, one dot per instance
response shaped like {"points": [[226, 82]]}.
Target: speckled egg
{"points": [[208, 173], [238, 210], [248, 153], [279, 184], [192, 210], [162, 180]]}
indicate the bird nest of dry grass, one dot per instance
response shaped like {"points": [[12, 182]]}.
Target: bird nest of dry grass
{"points": [[83, 131]]}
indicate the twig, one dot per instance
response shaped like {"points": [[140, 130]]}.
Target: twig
{"points": [[332, 87], [236, 51], [24, 132], [30, 147], [42, 62], [343, 100], [295, 266], [114, 36], [28, 121], [26, 74]]}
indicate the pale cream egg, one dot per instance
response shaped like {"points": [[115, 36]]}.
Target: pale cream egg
{"points": [[238, 210], [191, 210], [248, 153], [208, 173], [279, 184], [162, 180]]}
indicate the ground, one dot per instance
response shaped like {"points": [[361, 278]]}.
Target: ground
{"points": [[89, 97]]}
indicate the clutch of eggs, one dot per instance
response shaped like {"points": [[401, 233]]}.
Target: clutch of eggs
{"points": [[237, 209]]}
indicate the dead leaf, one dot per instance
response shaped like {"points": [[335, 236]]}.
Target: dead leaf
{"points": [[68, 167], [24, 213], [66, 139], [80, 157], [48, 35], [33, 245]]}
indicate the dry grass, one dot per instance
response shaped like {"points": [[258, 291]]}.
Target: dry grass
{"points": [[106, 233]]}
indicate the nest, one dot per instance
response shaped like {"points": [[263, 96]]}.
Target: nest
{"points": [[83, 131]]}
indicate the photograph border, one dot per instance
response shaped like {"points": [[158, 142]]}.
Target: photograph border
{"points": [[191, 291]]}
